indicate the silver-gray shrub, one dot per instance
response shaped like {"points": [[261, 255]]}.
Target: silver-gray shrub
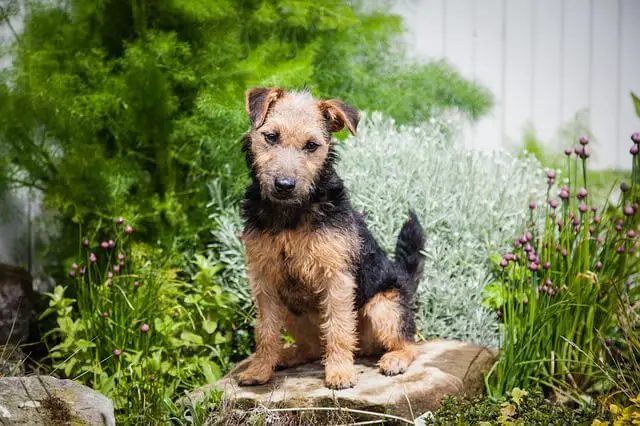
{"points": [[471, 204]]}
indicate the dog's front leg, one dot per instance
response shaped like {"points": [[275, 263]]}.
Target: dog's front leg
{"points": [[339, 331], [268, 323]]}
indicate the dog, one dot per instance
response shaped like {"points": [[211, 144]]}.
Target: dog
{"points": [[313, 265]]}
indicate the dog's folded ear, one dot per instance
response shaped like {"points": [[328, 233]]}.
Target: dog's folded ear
{"points": [[339, 115], [258, 101]]}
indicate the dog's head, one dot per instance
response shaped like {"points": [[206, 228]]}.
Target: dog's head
{"points": [[288, 145]]}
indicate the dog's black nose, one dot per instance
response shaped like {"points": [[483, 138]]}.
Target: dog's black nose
{"points": [[285, 183]]}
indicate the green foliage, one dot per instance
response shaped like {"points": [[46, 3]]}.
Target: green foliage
{"points": [[636, 103], [130, 327], [558, 293], [132, 107], [518, 407]]}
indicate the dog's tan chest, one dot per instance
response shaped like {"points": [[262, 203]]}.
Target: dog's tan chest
{"points": [[298, 263]]}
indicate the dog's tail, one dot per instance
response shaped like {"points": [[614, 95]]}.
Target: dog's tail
{"points": [[409, 248]]}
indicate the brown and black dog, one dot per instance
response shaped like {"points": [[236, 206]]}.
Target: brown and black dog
{"points": [[313, 265]]}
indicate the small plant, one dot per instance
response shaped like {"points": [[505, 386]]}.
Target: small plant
{"points": [[557, 292], [517, 407], [130, 327]]}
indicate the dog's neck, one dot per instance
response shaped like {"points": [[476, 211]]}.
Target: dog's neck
{"points": [[326, 205]]}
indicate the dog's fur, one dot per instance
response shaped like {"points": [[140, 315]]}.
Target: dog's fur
{"points": [[313, 265]]}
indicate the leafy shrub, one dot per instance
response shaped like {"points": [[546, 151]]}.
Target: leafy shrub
{"points": [[132, 107], [558, 292], [518, 407], [130, 327], [469, 203]]}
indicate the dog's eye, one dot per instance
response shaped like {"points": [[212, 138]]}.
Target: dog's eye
{"points": [[310, 146], [271, 138]]}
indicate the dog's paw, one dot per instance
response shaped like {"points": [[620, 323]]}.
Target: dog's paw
{"points": [[340, 378], [254, 377], [392, 364]]}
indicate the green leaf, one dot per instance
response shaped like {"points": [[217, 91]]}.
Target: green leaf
{"points": [[191, 338], [209, 326], [636, 103]]}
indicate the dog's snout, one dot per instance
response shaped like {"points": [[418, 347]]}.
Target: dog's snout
{"points": [[285, 183]]}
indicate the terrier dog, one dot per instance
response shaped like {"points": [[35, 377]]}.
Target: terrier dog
{"points": [[313, 265]]}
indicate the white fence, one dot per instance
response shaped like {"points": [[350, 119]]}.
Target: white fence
{"points": [[544, 60]]}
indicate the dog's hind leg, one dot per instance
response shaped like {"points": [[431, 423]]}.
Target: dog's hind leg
{"points": [[392, 327], [308, 347]]}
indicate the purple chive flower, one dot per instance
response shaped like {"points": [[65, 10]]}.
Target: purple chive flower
{"points": [[72, 273], [544, 288], [532, 257], [553, 203], [584, 140], [504, 263], [582, 193], [564, 253], [533, 266], [109, 283], [585, 153], [596, 220], [559, 222], [528, 236], [551, 174], [122, 263], [105, 314], [633, 150], [136, 284], [74, 266], [117, 352], [532, 205], [631, 233], [144, 328], [104, 245], [628, 210], [583, 208], [550, 181], [85, 243], [525, 301], [567, 152], [600, 240], [112, 244], [528, 248], [499, 313], [563, 194], [116, 268], [510, 256], [579, 151], [552, 291], [547, 265], [109, 274], [120, 220], [624, 187], [635, 137], [121, 257], [92, 258], [128, 230], [598, 265], [608, 343], [620, 249], [82, 271]]}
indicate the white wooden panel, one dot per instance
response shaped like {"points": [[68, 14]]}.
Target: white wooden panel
{"points": [[629, 78], [488, 58], [547, 17], [424, 22], [517, 97], [458, 43], [575, 58], [604, 96]]}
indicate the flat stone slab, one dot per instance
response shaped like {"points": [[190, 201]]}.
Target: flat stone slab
{"points": [[441, 368], [45, 400]]}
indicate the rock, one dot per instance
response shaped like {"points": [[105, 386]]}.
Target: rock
{"points": [[45, 400], [16, 304], [441, 368]]}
